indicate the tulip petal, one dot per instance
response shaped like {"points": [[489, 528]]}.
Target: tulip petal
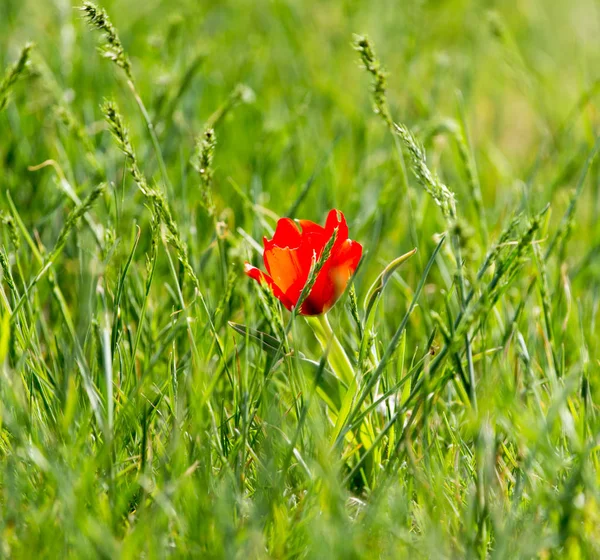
{"points": [[314, 237], [286, 234], [333, 278], [310, 228], [336, 219], [260, 276], [348, 255], [289, 269]]}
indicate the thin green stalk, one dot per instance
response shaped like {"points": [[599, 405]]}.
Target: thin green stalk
{"points": [[153, 137], [338, 359]]}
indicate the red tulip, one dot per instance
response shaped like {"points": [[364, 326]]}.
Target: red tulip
{"points": [[289, 255]]}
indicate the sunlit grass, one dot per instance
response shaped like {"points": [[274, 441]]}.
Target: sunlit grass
{"points": [[155, 401]]}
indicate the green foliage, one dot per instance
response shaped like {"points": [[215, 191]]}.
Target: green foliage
{"points": [[155, 402], [13, 73]]}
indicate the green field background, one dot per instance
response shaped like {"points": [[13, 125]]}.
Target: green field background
{"points": [[200, 446]]}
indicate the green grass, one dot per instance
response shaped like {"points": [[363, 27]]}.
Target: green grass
{"points": [[155, 402]]}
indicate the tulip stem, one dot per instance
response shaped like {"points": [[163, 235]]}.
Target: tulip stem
{"points": [[337, 357]]}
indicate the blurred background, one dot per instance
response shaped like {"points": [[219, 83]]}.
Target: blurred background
{"points": [[521, 67]]}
